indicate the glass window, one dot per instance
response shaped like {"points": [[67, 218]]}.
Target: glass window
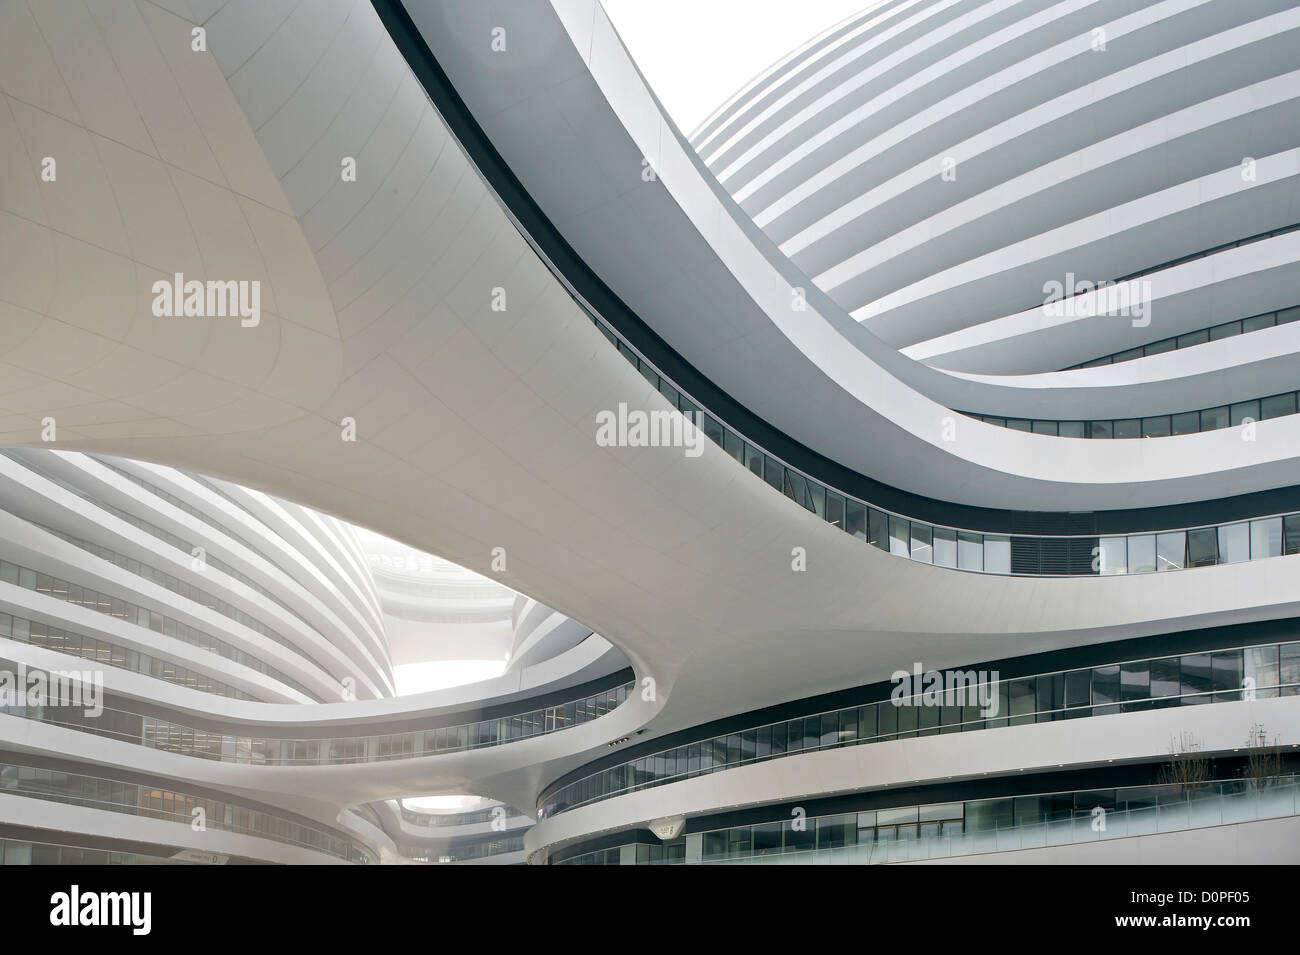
{"points": [[1024, 699], [1291, 534], [888, 714], [795, 486], [898, 538], [1045, 427], [907, 814], [767, 838], [1266, 538], [1212, 419], [1134, 681], [711, 427], [1142, 554], [922, 543], [1196, 674], [834, 509], [1160, 347], [1226, 330], [848, 726], [754, 459], [818, 494], [1202, 547], [738, 841], [648, 373], [1227, 673], [1277, 406], [1194, 338], [1188, 422], [1018, 424], [1289, 664], [855, 519], [1129, 354], [1128, 428], [1171, 550], [907, 721], [1157, 427], [1070, 429], [997, 555], [1164, 676], [1256, 322], [970, 549], [812, 730], [794, 738], [1100, 429], [878, 529], [1244, 411], [945, 547], [867, 728], [1262, 667], [927, 720], [837, 832], [1112, 556], [1051, 695], [774, 472], [1234, 543], [830, 730], [734, 446], [1105, 685], [797, 841], [1077, 690], [1288, 315], [986, 815]]}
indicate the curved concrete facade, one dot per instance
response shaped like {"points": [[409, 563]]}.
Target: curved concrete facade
{"points": [[425, 363]]}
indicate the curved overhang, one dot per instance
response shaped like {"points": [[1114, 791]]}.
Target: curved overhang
{"points": [[574, 126], [474, 428]]}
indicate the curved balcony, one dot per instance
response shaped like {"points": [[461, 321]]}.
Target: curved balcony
{"points": [[1037, 555], [977, 827], [146, 729], [170, 805], [1256, 672]]}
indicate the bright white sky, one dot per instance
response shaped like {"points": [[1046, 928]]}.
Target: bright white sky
{"points": [[696, 53], [441, 674]]}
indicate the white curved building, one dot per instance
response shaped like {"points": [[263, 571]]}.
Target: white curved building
{"points": [[761, 421]]}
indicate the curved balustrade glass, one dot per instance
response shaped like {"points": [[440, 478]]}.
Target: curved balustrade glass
{"points": [[185, 546], [39, 634], [980, 826], [27, 852], [1214, 333], [97, 792], [141, 729], [1243, 413], [130, 612], [1263, 671], [443, 819], [183, 589], [1038, 555], [462, 853]]}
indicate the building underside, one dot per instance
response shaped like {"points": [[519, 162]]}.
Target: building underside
{"points": [[900, 435]]}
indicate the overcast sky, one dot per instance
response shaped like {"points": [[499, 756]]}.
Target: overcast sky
{"points": [[697, 53]]}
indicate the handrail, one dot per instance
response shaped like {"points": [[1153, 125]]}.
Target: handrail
{"points": [[151, 802], [628, 776], [146, 730], [1007, 554]]}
